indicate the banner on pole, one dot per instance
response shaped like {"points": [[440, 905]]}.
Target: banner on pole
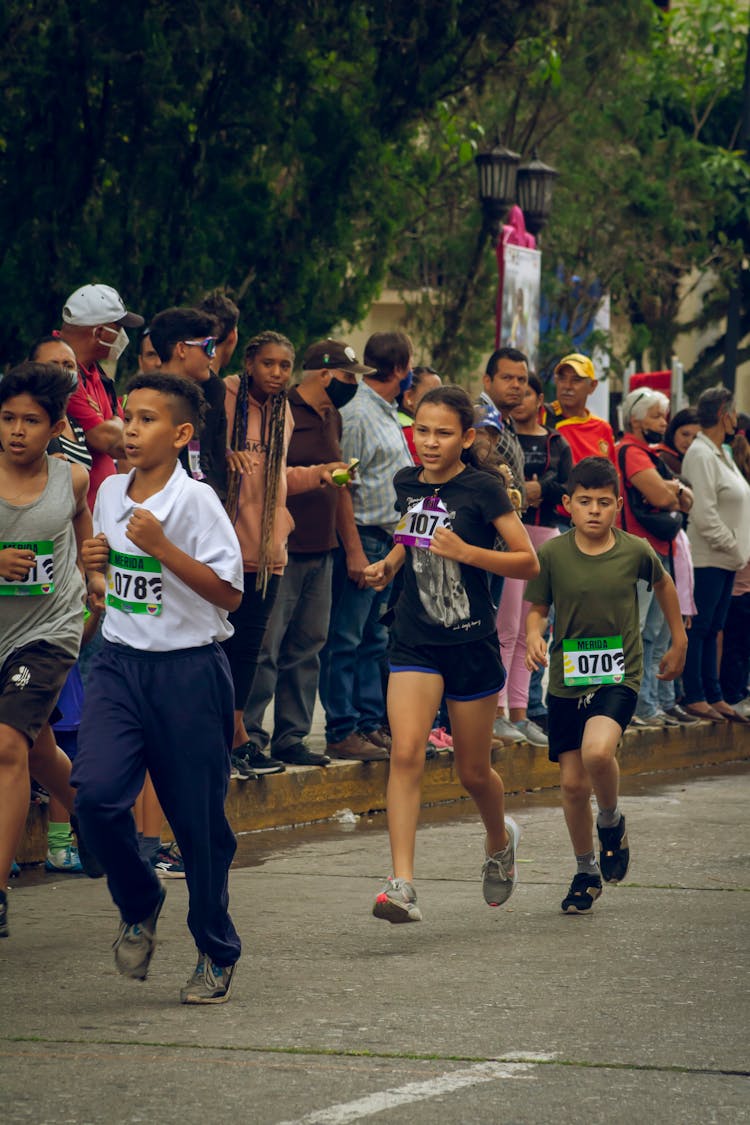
{"points": [[518, 300]]}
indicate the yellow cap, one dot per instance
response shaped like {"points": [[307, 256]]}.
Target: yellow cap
{"points": [[580, 364]]}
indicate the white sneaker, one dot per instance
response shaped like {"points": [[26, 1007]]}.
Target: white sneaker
{"points": [[503, 729], [531, 732]]}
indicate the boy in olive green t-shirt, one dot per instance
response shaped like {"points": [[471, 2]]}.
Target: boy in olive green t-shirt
{"points": [[591, 575]]}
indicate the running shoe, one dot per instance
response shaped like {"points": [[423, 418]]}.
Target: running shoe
{"points": [[15, 870], [65, 860], [614, 856], [4, 931], [397, 902], [505, 731], [135, 943], [258, 762], [582, 894], [168, 863], [440, 739], [209, 984], [531, 732], [499, 871], [89, 862]]}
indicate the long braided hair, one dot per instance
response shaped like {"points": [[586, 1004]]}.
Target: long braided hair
{"points": [[273, 418]]}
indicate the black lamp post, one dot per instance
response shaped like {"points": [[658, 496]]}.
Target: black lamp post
{"points": [[502, 183]]}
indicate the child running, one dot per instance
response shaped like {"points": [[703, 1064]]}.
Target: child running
{"points": [[590, 574], [444, 640], [43, 518], [159, 695]]}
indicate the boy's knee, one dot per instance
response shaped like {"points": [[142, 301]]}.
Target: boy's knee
{"points": [[575, 788], [14, 748], [598, 757]]}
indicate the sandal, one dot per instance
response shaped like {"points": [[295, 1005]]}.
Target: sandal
{"points": [[583, 893], [708, 714], [730, 714]]}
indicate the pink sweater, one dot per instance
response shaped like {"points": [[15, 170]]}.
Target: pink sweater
{"points": [[300, 478]]}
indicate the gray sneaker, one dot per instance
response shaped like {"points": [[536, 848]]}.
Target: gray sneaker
{"points": [[531, 732], [397, 902], [135, 943], [503, 729], [499, 872], [209, 984]]}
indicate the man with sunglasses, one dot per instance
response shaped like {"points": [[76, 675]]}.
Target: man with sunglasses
{"points": [[185, 339], [94, 320]]}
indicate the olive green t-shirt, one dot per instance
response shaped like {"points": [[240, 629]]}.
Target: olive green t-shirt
{"points": [[594, 596]]}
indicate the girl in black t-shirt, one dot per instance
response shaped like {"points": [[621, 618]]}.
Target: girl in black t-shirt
{"points": [[444, 640]]}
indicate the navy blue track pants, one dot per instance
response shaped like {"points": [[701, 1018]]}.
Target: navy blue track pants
{"points": [[171, 713]]}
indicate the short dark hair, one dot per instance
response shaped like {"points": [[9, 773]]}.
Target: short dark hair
{"points": [[47, 383], [385, 351], [688, 416], [536, 384], [593, 472], [224, 311], [187, 403], [170, 326], [515, 355], [710, 404]]}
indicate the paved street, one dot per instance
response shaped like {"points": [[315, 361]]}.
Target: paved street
{"points": [[638, 1013]]}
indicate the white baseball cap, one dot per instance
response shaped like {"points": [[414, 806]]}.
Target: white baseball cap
{"points": [[98, 304]]}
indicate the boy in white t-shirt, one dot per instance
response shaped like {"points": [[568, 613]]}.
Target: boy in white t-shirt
{"points": [[159, 695]]}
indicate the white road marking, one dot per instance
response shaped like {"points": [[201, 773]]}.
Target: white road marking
{"points": [[413, 1092]]}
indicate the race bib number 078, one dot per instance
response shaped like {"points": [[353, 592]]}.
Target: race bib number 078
{"points": [[593, 660], [134, 583], [417, 527]]}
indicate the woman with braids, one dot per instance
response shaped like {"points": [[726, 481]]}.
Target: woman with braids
{"points": [[259, 424]]}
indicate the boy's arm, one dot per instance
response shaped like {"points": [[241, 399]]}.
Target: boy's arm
{"points": [[536, 646], [673, 661], [146, 532], [83, 526]]}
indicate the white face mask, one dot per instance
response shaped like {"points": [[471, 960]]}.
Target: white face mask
{"points": [[118, 345]]}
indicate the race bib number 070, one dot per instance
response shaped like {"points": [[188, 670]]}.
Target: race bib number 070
{"points": [[593, 660], [134, 583], [417, 527]]}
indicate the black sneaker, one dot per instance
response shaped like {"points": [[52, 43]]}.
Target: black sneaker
{"points": [[257, 761], [90, 864], [614, 856], [4, 931], [300, 755], [583, 893], [240, 768]]}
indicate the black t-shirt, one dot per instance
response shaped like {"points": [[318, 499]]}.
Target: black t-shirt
{"points": [[213, 437], [444, 602]]}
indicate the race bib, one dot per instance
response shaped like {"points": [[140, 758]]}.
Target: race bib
{"points": [[417, 527], [593, 660], [40, 578], [134, 583], [194, 460]]}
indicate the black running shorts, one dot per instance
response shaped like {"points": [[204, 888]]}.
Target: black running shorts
{"points": [[470, 671], [568, 717], [30, 682]]}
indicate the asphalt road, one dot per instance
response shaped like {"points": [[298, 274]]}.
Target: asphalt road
{"points": [[637, 1013]]}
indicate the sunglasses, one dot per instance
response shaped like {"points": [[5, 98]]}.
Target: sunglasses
{"points": [[208, 345]]}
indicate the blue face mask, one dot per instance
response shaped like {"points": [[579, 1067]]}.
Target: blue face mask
{"points": [[406, 382]]}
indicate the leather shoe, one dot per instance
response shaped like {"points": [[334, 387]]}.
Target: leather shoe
{"points": [[299, 755], [355, 748]]}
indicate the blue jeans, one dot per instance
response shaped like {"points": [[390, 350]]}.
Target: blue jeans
{"points": [[656, 637], [289, 659], [351, 688], [713, 593]]}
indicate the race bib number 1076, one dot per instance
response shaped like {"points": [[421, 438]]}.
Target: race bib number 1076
{"points": [[134, 583]]}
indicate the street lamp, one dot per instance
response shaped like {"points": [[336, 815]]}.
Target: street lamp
{"points": [[502, 183], [534, 184]]}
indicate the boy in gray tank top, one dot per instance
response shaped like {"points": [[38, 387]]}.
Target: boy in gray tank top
{"points": [[43, 518]]}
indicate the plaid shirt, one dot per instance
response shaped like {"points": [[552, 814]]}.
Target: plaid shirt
{"points": [[372, 432], [509, 451]]}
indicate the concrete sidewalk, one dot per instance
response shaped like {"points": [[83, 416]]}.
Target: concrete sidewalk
{"points": [[637, 1013]]}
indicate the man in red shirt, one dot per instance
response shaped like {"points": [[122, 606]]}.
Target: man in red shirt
{"points": [[587, 435], [94, 322]]}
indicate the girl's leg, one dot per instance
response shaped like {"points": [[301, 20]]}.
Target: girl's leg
{"points": [[413, 699], [471, 724], [575, 789]]}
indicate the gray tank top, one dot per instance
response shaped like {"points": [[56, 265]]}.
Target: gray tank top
{"points": [[49, 605]]}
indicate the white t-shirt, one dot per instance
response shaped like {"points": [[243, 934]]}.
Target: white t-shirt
{"points": [[147, 606]]}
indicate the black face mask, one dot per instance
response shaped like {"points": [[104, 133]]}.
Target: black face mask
{"points": [[653, 437], [340, 393]]}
